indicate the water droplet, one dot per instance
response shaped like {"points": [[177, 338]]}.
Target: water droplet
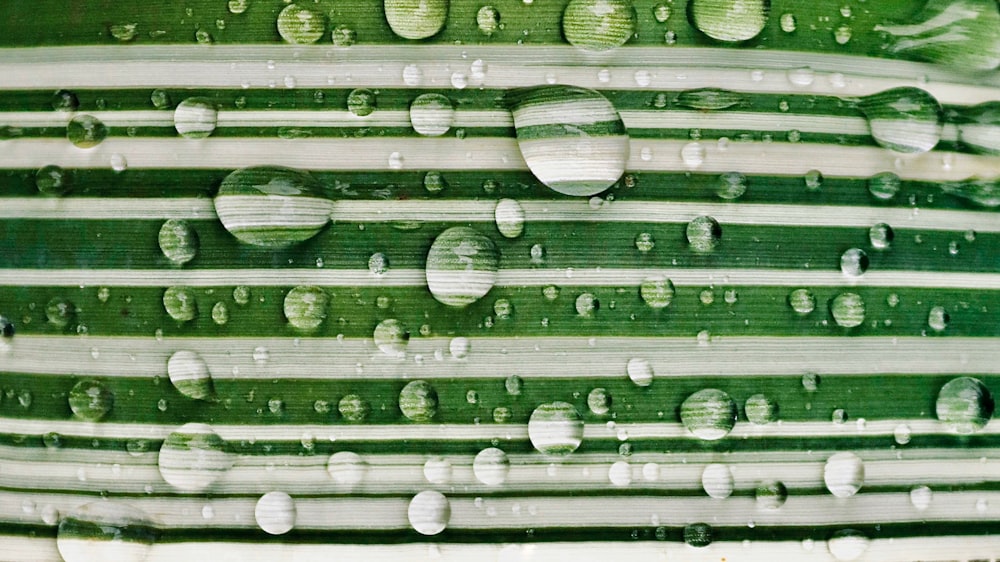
{"points": [[461, 266], [904, 119], [979, 128], [509, 215], [842, 35], [412, 75], [513, 385], [103, 531], [572, 139], [275, 513], [814, 180], [416, 19], [693, 154], [761, 410], [488, 20], [91, 400], [661, 12], [418, 401], [965, 405], [729, 20], [902, 434], [920, 497], [238, 6], [378, 264], [60, 312], [190, 375], [305, 307], [848, 544], [709, 99], [703, 234], [396, 161], [844, 474], [718, 481], [731, 185], [555, 428], [193, 457], [698, 535], [640, 371], [880, 236], [53, 180], [86, 131], [810, 382], [220, 313], [346, 468], [353, 408], [848, 310], [709, 414], [391, 337], [938, 318], [586, 305], [361, 102], [854, 262], [884, 186], [598, 25], [429, 511], [787, 22], [438, 470], [644, 242], [178, 241], [196, 118], [491, 466], [960, 34], [241, 295], [272, 207], [65, 100], [771, 494], [343, 37], [432, 114], [300, 26], [620, 473], [599, 401], [180, 304]]}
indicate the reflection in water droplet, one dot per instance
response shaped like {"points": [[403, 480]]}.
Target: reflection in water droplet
{"points": [[180, 304], [305, 307], [761, 410], [391, 337], [965, 405], [418, 401], [703, 234], [904, 119], [586, 305], [488, 20], [598, 25], [802, 301], [880, 236], [491, 466], [361, 102], [709, 414], [416, 19], [709, 99], [729, 20], [844, 474], [346, 468], [429, 512], [509, 215], [53, 180], [432, 114], [848, 544], [86, 131], [644, 242], [718, 481], [189, 374], [353, 408], [731, 185], [438, 470], [196, 118], [657, 292], [178, 241], [854, 262], [301, 26], [848, 310], [461, 266], [275, 513], [555, 428], [193, 457], [91, 400], [698, 535], [105, 531]]}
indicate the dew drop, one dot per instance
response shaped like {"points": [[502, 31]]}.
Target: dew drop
{"points": [[703, 234], [275, 513], [640, 371], [346, 468], [708, 414], [555, 428], [305, 307], [491, 466], [429, 512], [920, 497], [103, 531], [461, 266], [729, 20], [848, 544], [693, 154], [488, 20], [599, 401], [353, 408], [86, 131], [907, 120], [938, 318], [880, 236], [91, 400], [718, 481], [698, 535], [854, 262], [178, 241], [193, 457], [190, 375], [180, 304], [432, 114], [960, 34], [418, 401], [416, 19], [761, 410], [60, 312], [53, 180], [848, 310], [598, 25], [361, 102], [196, 118], [965, 405], [438, 470], [844, 474], [391, 337], [510, 217], [300, 26], [771, 494], [731, 186]]}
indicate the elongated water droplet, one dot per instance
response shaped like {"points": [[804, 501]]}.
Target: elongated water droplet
{"points": [[429, 512], [301, 26], [729, 20], [416, 19], [461, 266], [698, 535], [491, 466], [305, 307], [509, 215], [178, 241], [189, 374], [984, 193], [964, 34], [904, 119], [572, 139], [431, 114], [196, 118], [555, 428], [193, 457], [844, 474], [979, 128], [965, 405], [709, 414], [598, 25], [706, 99], [272, 207], [104, 531]]}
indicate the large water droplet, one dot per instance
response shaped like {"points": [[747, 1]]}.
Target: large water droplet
{"points": [[180, 304], [771, 494], [361, 102], [104, 531], [555, 428], [429, 512], [848, 544], [729, 20], [193, 457], [346, 468], [491, 466], [418, 401], [904, 119], [53, 180], [620, 473], [189, 374], [572, 139], [979, 128], [301, 26], [488, 20], [305, 307], [391, 337], [964, 34], [709, 414], [718, 481], [196, 118], [761, 410], [657, 292], [86, 131], [709, 99], [698, 535], [60, 312], [271, 206], [91, 400], [461, 266], [275, 513], [178, 241], [509, 215], [965, 404], [416, 19], [640, 371], [354, 408], [598, 25], [844, 474], [884, 186], [802, 301], [854, 262], [880, 236], [703, 234], [438, 470], [432, 114], [848, 310]]}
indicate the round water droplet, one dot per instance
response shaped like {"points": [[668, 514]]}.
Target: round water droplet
{"points": [[787, 22], [842, 35], [347, 468], [844, 474], [729, 20], [904, 119], [272, 207], [771, 494], [432, 114], [598, 25], [344, 36], [661, 12], [238, 6], [434, 182], [353, 408], [91, 400], [180, 304], [693, 154], [220, 313], [731, 185], [418, 401], [438, 470], [86, 131], [103, 531], [884, 186], [190, 375], [361, 102], [391, 337], [509, 215], [854, 262], [275, 513], [305, 307], [620, 474], [513, 385], [880, 236], [378, 264], [461, 266], [416, 19], [53, 180], [657, 292], [193, 457], [640, 371], [555, 428], [709, 414], [848, 544], [813, 180], [178, 241], [965, 405], [459, 347], [848, 310], [429, 512], [938, 318], [599, 401], [491, 466], [644, 242], [301, 26], [488, 20], [586, 305], [902, 434], [572, 139], [60, 312], [761, 410], [196, 118], [718, 481], [703, 234], [65, 100], [698, 535], [920, 497], [802, 301]]}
